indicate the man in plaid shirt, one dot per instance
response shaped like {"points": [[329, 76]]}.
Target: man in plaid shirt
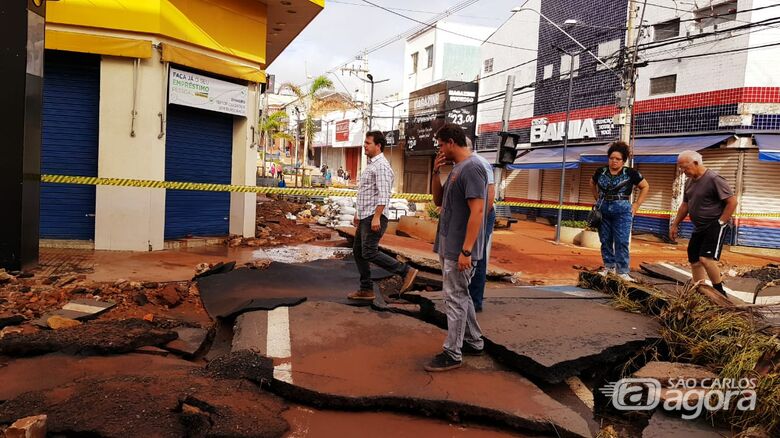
{"points": [[371, 219]]}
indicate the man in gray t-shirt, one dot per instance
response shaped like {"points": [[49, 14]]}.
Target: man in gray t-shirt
{"points": [[710, 202], [459, 243]]}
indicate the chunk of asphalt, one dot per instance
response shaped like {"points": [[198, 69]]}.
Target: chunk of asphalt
{"points": [[551, 340], [353, 358], [96, 338]]}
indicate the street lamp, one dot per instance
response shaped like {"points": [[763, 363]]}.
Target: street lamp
{"points": [[392, 117], [371, 98], [569, 22]]}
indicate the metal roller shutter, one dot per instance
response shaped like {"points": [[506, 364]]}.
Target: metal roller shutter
{"points": [[199, 148], [71, 108], [723, 161], [760, 195], [551, 184], [661, 180], [516, 184], [586, 175]]}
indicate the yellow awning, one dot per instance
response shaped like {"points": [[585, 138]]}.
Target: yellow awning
{"points": [[189, 58], [98, 44]]}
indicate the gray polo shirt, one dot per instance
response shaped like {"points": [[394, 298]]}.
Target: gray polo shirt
{"points": [[468, 180]]}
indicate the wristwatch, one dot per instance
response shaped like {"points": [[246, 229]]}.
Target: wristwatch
{"points": [[465, 252]]}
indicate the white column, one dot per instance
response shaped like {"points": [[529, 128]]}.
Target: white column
{"points": [[129, 218], [243, 205]]}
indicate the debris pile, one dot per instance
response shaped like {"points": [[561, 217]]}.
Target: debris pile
{"points": [[59, 301], [699, 328], [339, 211]]}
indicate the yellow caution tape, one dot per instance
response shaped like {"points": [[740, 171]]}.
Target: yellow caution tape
{"points": [[416, 197]]}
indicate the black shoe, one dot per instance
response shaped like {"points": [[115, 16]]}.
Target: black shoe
{"points": [[443, 362], [468, 350]]}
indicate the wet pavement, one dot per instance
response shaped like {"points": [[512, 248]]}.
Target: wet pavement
{"points": [[332, 355]]}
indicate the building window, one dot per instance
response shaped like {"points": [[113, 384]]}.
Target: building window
{"points": [[663, 85], [566, 66], [548, 71], [609, 53], [415, 55], [665, 31], [489, 65], [429, 56], [716, 15]]}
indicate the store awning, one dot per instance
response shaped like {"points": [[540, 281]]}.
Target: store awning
{"points": [[768, 147], [662, 150], [552, 158]]}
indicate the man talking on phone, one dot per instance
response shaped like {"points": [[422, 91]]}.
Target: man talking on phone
{"points": [[459, 243]]}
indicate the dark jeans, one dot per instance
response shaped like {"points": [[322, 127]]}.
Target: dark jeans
{"points": [[366, 250], [614, 233], [477, 285]]}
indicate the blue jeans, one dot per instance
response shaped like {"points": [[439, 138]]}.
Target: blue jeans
{"points": [[477, 285], [614, 234]]}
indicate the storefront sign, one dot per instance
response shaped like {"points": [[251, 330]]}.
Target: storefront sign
{"points": [[342, 130], [198, 91], [432, 107], [543, 131]]}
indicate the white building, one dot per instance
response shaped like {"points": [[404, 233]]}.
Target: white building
{"points": [[445, 51]]}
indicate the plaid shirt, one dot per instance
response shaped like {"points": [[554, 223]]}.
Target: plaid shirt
{"points": [[376, 183]]}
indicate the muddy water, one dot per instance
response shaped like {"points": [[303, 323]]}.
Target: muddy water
{"points": [[305, 422], [300, 253]]}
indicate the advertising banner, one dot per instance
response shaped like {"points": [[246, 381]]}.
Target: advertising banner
{"points": [[198, 91]]}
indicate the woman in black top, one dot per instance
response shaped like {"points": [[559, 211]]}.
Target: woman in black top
{"points": [[612, 186]]}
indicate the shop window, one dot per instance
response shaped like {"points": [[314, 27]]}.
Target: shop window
{"points": [[663, 85], [489, 65], [415, 55], [429, 56], [665, 31], [566, 66], [609, 52]]}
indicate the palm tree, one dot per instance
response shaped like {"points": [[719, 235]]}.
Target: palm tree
{"points": [[273, 128], [315, 102]]}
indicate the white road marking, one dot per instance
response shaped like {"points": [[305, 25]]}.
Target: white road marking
{"points": [[278, 342]]}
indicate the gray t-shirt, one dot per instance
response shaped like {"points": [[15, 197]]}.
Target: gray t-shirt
{"points": [[706, 198], [468, 180]]}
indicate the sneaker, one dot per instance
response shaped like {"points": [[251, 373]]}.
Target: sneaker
{"points": [[365, 295], [408, 280], [626, 277], [442, 362], [606, 271], [468, 350]]}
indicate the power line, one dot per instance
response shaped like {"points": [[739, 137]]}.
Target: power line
{"points": [[700, 55], [429, 26], [409, 10]]}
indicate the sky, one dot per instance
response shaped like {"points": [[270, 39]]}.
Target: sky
{"points": [[346, 27]]}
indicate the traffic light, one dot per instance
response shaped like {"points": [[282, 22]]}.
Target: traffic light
{"points": [[507, 149]]}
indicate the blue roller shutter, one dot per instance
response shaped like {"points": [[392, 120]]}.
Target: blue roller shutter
{"points": [[71, 99], [199, 149]]}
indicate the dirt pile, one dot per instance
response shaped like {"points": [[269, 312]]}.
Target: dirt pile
{"points": [[282, 222], [33, 296]]}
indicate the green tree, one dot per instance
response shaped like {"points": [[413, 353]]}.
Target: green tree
{"points": [[316, 101], [273, 128]]}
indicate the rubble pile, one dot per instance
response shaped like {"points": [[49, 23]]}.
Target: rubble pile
{"points": [[25, 298], [339, 211]]}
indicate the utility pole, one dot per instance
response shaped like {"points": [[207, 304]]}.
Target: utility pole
{"points": [[498, 172], [627, 94], [565, 145]]}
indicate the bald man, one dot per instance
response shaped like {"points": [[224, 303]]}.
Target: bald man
{"points": [[710, 202]]}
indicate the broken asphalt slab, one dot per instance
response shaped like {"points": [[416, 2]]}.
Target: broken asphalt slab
{"points": [[191, 341], [137, 395], [339, 357], [665, 426], [417, 252], [78, 310], [102, 337], [281, 284], [553, 339]]}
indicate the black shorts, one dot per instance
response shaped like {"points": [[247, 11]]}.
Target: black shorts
{"points": [[707, 242]]}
